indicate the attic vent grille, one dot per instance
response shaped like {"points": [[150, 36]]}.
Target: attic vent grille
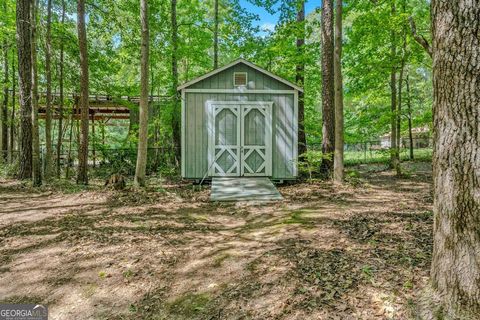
{"points": [[239, 79]]}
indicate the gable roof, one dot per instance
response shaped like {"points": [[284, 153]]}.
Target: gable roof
{"points": [[238, 61]]}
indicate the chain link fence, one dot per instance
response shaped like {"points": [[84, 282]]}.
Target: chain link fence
{"points": [[165, 160]]}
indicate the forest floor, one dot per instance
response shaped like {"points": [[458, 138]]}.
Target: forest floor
{"points": [[361, 251]]}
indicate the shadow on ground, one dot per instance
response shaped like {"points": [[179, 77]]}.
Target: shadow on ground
{"points": [[352, 252]]}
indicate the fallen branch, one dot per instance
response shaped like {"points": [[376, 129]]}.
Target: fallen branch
{"points": [[420, 38]]}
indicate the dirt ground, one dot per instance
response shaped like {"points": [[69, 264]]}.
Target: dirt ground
{"points": [[361, 251]]}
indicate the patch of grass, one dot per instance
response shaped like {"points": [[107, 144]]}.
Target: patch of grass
{"points": [[189, 305], [220, 259], [128, 273], [368, 272], [296, 217]]}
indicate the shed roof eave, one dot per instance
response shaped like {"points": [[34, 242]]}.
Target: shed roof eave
{"points": [[233, 63]]}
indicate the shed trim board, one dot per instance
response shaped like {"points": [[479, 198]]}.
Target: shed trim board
{"points": [[268, 73], [295, 136], [240, 91], [182, 146], [240, 151]]}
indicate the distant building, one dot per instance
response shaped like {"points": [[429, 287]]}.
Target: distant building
{"points": [[421, 139]]}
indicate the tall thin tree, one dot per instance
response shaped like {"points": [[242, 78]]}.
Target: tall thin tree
{"points": [[48, 105], [175, 95], [455, 271], [36, 160], [215, 35], [24, 49], [300, 76], [61, 102], [82, 174], [338, 156], [328, 92], [143, 125], [4, 113], [12, 118], [394, 154], [409, 115]]}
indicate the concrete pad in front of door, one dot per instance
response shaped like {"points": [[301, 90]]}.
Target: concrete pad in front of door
{"points": [[244, 189]]}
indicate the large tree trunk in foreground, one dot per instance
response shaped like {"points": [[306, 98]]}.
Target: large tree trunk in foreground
{"points": [[82, 174], [338, 157], [48, 108], [36, 160], [300, 78], [24, 49], [328, 91], [455, 272], [176, 98], [143, 127]]}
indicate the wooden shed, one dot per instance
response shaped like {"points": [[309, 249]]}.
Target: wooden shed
{"points": [[239, 120]]}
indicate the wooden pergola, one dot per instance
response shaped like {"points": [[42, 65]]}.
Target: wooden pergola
{"points": [[101, 107]]}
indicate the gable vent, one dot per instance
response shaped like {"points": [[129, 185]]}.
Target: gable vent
{"points": [[239, 79]]}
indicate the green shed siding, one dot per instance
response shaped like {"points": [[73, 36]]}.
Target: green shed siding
{"points": [[196, 132]]}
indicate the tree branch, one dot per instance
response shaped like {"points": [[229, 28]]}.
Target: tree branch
{"points": [[420, 38]]}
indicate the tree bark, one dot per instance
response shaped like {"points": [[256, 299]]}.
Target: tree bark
{"points": [[12, 119], [36, 159], [61, 102], [300, 78], [394, 155], [4, 137], [176, 98], [82, 174], [455, 272], [328, 91], [24, 49], [409, 110], [215, 35], [399, 107], [48, 106], [143, 127], [338, 157]]}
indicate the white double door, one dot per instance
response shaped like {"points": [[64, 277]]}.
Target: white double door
{"points": [[240, 138]]}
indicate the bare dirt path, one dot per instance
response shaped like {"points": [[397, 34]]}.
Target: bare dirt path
{"points": [[357, 252]]}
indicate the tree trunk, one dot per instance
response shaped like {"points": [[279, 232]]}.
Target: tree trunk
{"points": [[328, 91], [394, 155], [48, 107], [4, 113], [143, 127], [82, 174], [24, 49], [399, 107], [12, 120], [36, 160], [60, 107], [409, 110], [300, 78], [215, 36], [4, 137], [455, 269], [176, 98], [338, 158]]}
